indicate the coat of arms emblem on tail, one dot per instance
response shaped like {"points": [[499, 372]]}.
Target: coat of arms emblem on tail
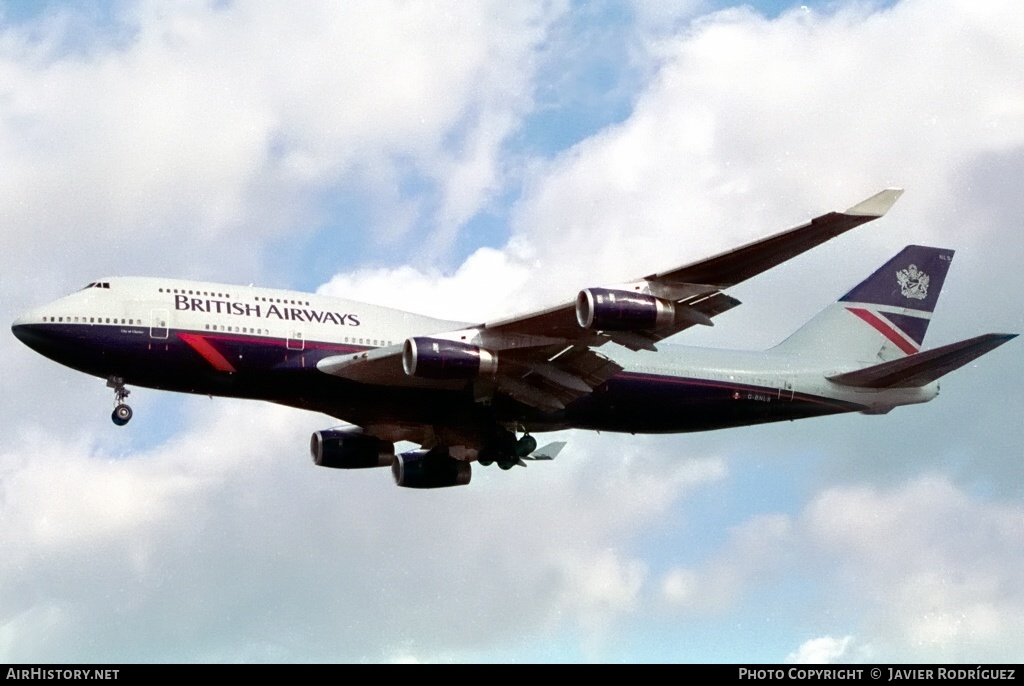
{"points": [[913, 282]]}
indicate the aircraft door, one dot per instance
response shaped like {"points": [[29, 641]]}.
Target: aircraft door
{"points": [[786, 390], [159, 324], [296, 341]]}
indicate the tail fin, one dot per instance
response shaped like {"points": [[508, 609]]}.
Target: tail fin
{"points": [[885, 317], [920, 370]]}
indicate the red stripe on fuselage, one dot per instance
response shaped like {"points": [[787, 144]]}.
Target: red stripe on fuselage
{"points": [[885, 329], [209, 353]]}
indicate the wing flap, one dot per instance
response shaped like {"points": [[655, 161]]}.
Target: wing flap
{"points": [[710, 307], [552, 384], [591, 368], [925, 367]]}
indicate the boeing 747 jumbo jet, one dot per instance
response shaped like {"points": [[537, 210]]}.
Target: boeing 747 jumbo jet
{"points": [[477, 392]]}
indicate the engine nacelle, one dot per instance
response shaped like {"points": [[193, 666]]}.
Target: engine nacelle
{"points": [[436, 358], [350, 449], [606, 309], [430, 469]]}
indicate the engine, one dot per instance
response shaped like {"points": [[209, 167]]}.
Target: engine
{"points": [[430, 469], [350, 449], [436, 358], [610, 310]]}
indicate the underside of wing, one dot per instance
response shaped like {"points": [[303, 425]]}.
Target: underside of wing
{"points": [[551, 384], [544, 377], [382, 367]]}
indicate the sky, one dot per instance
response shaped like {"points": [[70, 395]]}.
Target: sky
{"points": [[472, 160]]}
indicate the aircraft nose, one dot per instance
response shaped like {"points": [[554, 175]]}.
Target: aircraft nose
{"points": [[22, 330], [27, 329]]}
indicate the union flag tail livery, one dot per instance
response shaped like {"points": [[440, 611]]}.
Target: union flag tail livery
{"points": [[883, 318], [476, 391]]}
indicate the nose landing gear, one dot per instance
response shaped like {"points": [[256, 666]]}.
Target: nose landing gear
{"points": [[122, 413]]}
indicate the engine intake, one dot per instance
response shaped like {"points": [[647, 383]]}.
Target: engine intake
{"points": [[436, 358], [349, 449], [430, 469], [606, 309]]}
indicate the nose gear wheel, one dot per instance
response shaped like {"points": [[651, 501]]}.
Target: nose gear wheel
{"points": [[122, 413]]}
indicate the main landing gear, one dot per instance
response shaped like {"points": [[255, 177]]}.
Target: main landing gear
{"points": [[122, 413], [504, 449]]}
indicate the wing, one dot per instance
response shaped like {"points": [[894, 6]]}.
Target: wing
{"points": [[696, 289], [547, 360]]}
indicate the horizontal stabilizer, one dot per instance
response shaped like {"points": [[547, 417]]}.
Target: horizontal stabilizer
{"points": [[922, 368]]}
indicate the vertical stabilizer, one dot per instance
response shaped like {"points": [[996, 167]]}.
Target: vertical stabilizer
{"points": [[885, 317]]}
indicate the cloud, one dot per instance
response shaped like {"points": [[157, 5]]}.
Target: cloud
{"points": [[207, 129], [824, 650], [751, 557], [918, 571], [481, 288], [940, 568]]}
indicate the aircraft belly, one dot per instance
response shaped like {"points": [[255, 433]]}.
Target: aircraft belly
{"points": [[667, 404]]}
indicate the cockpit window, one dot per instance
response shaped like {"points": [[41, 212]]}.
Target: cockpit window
{"points": [[98, 284]]}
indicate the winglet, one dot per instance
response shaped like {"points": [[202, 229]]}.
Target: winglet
{"points": [[877, 205]]}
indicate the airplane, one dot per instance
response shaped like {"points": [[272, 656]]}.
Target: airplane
{"points": [[468, 392]]}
